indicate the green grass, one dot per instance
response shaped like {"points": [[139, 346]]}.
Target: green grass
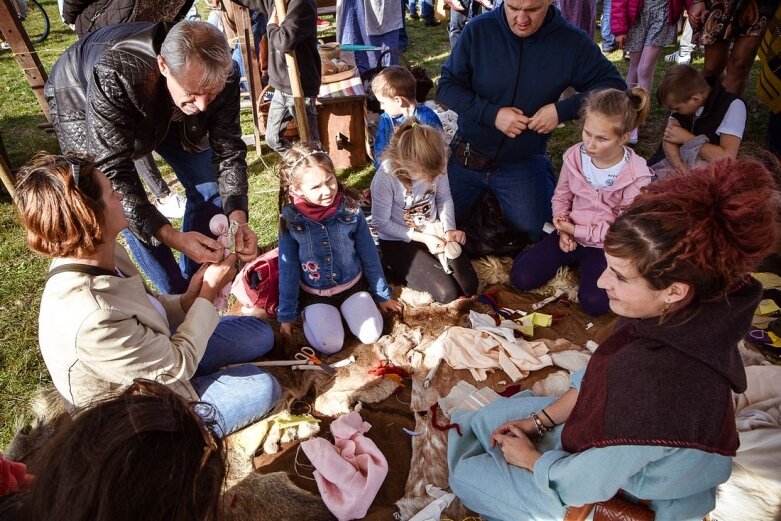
{"points": [[22, 274]]}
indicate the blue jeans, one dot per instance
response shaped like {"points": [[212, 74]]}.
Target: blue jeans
{"points": [[426, 9], [239, 395], [199, 179], [608, 40], [258, 30], [458, 20], [524, 189], [354, 32]]}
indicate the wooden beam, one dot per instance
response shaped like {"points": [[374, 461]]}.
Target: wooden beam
{"points": [[24, 53], [251, 66], [6, 176]]}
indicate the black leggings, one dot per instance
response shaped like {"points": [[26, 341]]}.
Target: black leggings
{"points": [[411, 263]]}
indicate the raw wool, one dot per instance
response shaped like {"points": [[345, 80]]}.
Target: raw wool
{"points": [[492, 270], [271, 497], [448, 118], [413, 297], [554, 385], [565, 280], [747, 496], [277, 435]]}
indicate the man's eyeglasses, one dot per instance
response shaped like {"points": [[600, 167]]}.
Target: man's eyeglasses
{"points": [[150, 388], [76, 164]]}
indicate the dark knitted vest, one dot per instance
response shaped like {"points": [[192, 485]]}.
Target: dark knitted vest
{"points": [[713, 113], [667, 384]]}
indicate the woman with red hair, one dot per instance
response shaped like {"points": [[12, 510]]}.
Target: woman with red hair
{"points": [[652, 415]]}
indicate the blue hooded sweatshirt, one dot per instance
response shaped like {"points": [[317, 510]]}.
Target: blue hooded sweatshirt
{"points": [[491, 68]]}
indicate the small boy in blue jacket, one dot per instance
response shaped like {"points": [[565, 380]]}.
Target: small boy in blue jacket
{"points": [[394, 88]]}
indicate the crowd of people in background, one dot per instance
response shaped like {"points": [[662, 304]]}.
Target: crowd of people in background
{"points": [[141, 365]]}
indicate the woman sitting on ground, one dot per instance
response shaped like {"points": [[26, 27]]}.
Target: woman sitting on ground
{"points": [[653, 413], [144, 454], [100, 327]]}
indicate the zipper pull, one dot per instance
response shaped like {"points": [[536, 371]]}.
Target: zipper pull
{"points": [[467, 153]]}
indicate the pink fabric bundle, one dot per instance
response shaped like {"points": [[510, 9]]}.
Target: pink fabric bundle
{"points": [[350, 472]]}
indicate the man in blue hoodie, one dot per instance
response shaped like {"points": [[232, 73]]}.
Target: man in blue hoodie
{"points": [[504, 79]]}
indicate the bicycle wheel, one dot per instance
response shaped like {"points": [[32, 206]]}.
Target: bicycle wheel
{"points": [[35, 21]]}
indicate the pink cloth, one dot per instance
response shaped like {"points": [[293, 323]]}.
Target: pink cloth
{"points": [[624, 13], [350, 472], [593, 211]]}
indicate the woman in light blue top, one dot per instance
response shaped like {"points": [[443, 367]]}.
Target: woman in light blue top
{"points": [[652, 414]]}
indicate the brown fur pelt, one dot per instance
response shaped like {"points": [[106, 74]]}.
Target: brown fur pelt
{"points": [[492, 270], [271, 497], [48, 410]]}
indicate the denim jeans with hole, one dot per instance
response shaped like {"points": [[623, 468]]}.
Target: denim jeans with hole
{"points": [[239, 395], [524, 189], [199, 179]]}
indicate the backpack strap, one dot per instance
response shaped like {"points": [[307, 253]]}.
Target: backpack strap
{"points": [[94, 271]]}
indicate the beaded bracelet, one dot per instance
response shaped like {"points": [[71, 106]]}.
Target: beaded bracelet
{"points": [[541, 428]]}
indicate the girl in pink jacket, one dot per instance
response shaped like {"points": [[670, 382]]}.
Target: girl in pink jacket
{"points": [[599, 176]]}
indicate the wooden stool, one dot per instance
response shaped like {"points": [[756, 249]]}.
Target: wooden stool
{"points": [[342, 128]]}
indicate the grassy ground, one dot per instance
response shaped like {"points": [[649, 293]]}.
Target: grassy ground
{"points": [[22, 274]]}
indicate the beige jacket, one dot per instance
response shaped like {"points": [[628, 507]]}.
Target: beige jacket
{"points": [[98, 333]]}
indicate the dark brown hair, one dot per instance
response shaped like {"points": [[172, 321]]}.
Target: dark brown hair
{"points": [[680, 83], [706, 228], [628, 109], [416, 152], [62, 220], [395, 81], [131, 457]]}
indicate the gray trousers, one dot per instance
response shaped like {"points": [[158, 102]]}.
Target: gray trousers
{"points": [[279, 115]]}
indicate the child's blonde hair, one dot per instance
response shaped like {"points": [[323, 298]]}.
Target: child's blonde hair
{"points": [[295, 161], [628, 109], [395, 81], [416, 152]]}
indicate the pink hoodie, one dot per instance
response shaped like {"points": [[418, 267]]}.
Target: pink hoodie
{"points": [[593, 211]]}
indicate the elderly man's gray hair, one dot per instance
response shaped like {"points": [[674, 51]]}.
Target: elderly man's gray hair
{"points": [[191, 42]]}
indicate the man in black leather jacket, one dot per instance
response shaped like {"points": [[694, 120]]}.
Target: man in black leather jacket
{"points": [[128, 89]]}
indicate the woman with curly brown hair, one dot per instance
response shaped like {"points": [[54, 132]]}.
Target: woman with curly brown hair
{"points": [[653, 414]]}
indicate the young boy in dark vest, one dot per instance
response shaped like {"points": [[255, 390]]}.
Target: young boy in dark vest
{"points": [[706, 124]]}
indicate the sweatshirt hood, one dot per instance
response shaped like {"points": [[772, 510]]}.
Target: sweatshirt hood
{"points": [[717, 322], [635, 168]]}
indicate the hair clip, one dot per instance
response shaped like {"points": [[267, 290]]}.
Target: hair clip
{"points": [[308, 154]]}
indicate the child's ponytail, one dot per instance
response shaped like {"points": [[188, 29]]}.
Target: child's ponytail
{"points": [[628, 108], [416, 152]]}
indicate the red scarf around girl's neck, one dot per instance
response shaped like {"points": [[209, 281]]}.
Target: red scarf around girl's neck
{"points": [[316, 212]]}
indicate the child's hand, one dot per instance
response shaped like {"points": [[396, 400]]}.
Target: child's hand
{"points": [[697, 13], [674, 133], [286, 328], [621, 40], [390, 306], [434, 243], [564, 226], [455, 236], [567, 243], [560, 219]]}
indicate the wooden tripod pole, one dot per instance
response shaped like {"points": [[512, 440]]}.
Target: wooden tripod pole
{"points": [[295, 80]]}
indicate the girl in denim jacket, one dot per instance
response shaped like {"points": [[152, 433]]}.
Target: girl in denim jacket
{"points": [[327, 259], [599, 176]]}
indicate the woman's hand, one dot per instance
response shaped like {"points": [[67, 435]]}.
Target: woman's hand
{"points": [[390, 306], [216, 276], [286, 328], [697, 14], [455, 236], [526, 425], [621, 40], [516, 447], [193, 289]]}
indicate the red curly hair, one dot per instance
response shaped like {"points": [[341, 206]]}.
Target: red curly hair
{"points": [[707, 228]]}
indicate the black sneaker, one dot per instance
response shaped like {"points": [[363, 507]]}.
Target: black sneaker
{"points": [[432, 23], [414, 16]]}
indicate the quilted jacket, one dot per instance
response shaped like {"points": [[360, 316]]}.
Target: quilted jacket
{"points": [[108, 98]]}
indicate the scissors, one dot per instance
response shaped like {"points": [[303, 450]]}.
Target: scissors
{"points": [[307, 355]]}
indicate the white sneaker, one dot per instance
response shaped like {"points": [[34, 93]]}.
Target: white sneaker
{"points": [[4, 45], [633, 137], [677, 57], [172, 206]]}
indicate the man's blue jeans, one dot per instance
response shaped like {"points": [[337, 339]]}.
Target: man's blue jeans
{"points": [[523, 188], [426, 9], [239, 395], [199, 179], [458, 20]]}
